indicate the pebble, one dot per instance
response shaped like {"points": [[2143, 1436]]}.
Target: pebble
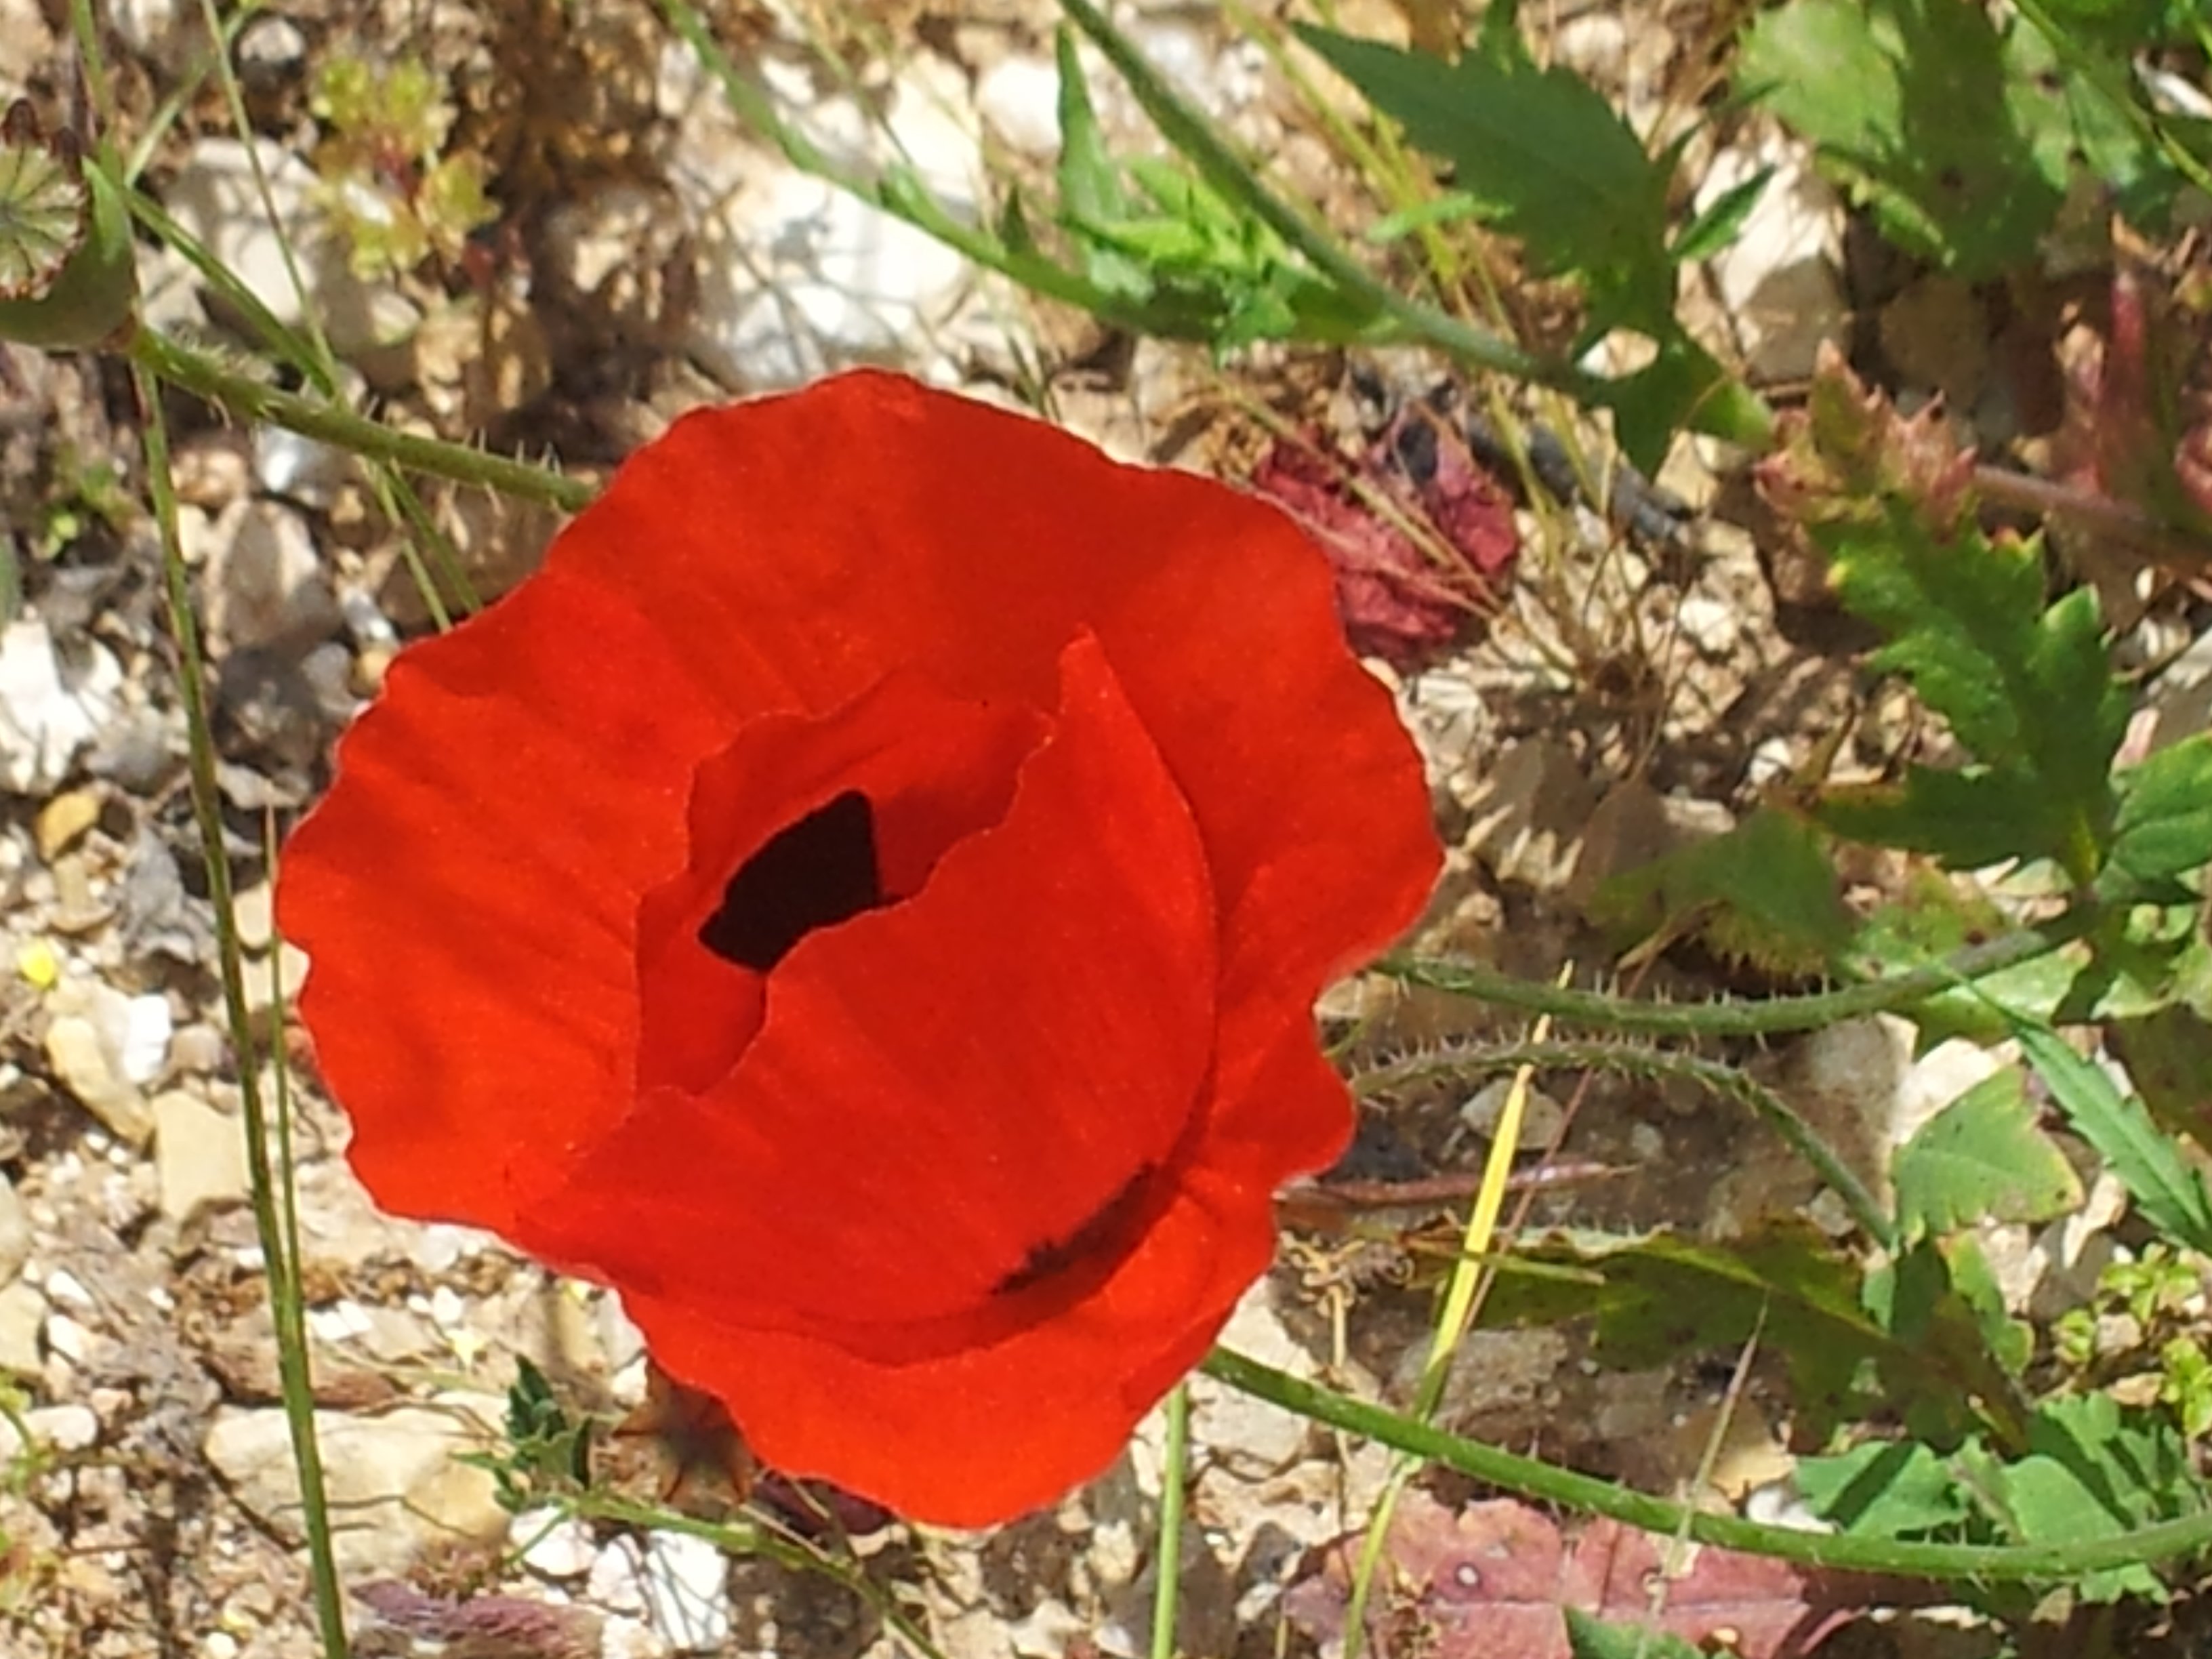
{"points": [[15, 1232], [395, 1477], [62, 820], [50, 708], [552, 1546], [91, 1070], [67, 1338], [299, 468], [264, 583], [22, 1315], [686, 1584], [1779, 280], [199, 1155], [796, 278], [1018, 99], [1540, 1115]]}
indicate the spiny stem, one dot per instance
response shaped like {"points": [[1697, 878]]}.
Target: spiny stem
{"points": [[246, 398], [1767, 1017], [1724, 1080], [1847, 1551]]}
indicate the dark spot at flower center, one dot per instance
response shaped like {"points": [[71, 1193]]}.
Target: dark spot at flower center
{"points": [[1100, 1234], [814, 874]]}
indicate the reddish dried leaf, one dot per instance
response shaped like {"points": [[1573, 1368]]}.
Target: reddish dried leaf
{"points": [[1490, 1581], [484, 1626], [1403, 602]]}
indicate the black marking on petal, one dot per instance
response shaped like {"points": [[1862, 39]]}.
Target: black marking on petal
{"points": [[811, 874]]}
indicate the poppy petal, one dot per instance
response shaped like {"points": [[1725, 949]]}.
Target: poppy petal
{"points": [[983, 1432], [945, 1092], [880, 523], [926, 770], [477, 1014]]}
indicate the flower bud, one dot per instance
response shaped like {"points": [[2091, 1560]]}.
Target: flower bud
{"points": [[67, 279]]}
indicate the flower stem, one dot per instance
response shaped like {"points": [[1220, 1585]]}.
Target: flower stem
{"points": [[1530, 1477], [1766, 1016], [244, 398]]}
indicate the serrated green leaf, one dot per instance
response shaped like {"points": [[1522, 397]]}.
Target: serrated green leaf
{"points": [[1553, 163], [1884, 1489], [2169, 1193], [2029, 691], [1765, 892], [2095, 1471], [1589, 1637], [1982, 1157], [1662, 1295], [2164, 824], [1910, 99]]}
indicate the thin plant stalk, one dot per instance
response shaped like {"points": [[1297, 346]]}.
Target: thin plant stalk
{"points": [[280, 1265], [1175, 1472]]}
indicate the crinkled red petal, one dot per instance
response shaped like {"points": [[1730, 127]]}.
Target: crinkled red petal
{"points": [[946, 1095], [935, 770], [467, 894], [791, 549]]}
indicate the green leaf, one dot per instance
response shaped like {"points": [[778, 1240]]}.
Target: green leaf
{"points": [[2028, 691], [2094, 1471], [1911, 101], [1542, 150], [1720, 224], [1589, 1637], [1091, 192], [1661, 1295], [1982, 1157], [1764, 893], [2164, 824], [2166, 1188], [1885, 1489]]}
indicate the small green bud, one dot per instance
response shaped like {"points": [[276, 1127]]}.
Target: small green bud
{"points": [[67, 280]]}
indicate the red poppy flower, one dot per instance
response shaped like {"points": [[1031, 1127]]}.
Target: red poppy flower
{"points": [[863, 900]]}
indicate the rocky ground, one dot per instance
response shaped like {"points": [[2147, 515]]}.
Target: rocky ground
{"points": [[648, 253]]}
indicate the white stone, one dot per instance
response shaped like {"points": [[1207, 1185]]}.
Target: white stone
{"points": [[68, 1428], [215, 196], [1778, 280], [551, 1545], [796, 278], [617, 1581], [199, 1155], [1018, 99], [15, 1232], [263, 582], [686, 1583], [64, 1287], [50, 706], [23, 1313], [67, 1338], [394, 1477], [143, 1049], [300, 468], [90, 1068], [1709, 625], [158, 30]]}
